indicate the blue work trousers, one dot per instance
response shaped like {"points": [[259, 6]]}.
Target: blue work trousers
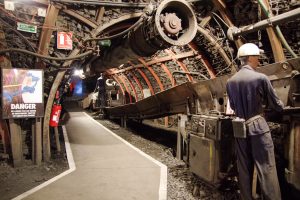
{"points": [[258, 150]]}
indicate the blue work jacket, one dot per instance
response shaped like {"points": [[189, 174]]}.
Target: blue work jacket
{"points": [[249, 92]]}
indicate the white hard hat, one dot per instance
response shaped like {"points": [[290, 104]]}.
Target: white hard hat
{"points": [[248, 49]]}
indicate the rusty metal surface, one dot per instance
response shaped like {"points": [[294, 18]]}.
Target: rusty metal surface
{"points": [[204, 60], [161, 87], [138, 83], [182, 66], [146, 80], [159, 60], [132, 87], [163, 103], [169, 74], [210, 93], [121, 78]]}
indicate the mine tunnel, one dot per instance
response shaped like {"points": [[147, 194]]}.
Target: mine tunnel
{"points": [[129, 99]]}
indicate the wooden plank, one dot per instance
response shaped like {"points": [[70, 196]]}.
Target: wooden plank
{"points": [[254, 183], [5, 136], [166, 122], [47, 30], [33, 142], [46, 139], [16, 143], [37, 141], [226, 15], [275, 42], [100, 15]]}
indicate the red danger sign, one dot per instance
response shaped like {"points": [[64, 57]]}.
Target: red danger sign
{"points": [[64, 40]]}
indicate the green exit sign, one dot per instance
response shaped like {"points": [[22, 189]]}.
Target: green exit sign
{"points": [[105, 43], [27, 27]]}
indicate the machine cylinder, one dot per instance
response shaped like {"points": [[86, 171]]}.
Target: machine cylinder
{"points": [[173, 22]]}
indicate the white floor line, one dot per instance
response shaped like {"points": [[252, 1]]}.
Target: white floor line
{"points": [[163, 168], [71, 166]]}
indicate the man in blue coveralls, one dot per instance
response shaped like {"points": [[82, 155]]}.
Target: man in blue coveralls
{"points": [[249, 91]]}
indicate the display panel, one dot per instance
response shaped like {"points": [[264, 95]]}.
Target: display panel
{"points": [[22, 93]]}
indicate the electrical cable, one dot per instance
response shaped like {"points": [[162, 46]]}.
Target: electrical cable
{"points": [[220, 19], [46, 57], [118, 34], [232, 62], [18, 33]]}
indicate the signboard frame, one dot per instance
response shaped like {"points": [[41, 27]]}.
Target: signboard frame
{"points": [[64, 46], [20, 24], [27, 108]]}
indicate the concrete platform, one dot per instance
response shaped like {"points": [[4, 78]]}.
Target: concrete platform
{"points": [[105, 167]]}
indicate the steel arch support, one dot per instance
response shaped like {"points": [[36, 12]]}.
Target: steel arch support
{"points": [[204, 61], [153, 74], [182, 66], [166, 69], [132, 87], [137, 82], [147, 81]]}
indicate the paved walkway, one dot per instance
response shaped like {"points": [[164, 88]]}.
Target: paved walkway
{"points": [[105, 168]]}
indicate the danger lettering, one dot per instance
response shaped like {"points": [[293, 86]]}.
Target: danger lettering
{"points": [[26, 106]]}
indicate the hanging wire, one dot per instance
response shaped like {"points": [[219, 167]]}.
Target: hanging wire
{"points": [[46, 57], [232, 62], [226, 42], [215, 14], [139, 22]]}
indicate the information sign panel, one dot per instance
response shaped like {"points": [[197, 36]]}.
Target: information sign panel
{"points": [[22, 93], [64, 40]]}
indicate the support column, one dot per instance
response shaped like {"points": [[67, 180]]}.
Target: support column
{"points": [[124, 122], [16, 142], [37, 141], [181, 135]]}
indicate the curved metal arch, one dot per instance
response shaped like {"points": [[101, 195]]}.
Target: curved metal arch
{"points": [[182, 66], [153, 74], [137, 82], [204, 60], [121, 86], [216, 46], [169, 74], [126, 87], [147, 81], [132, 87]]}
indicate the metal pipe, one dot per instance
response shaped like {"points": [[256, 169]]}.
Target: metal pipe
{"points": [[234, 32], [8, 26], [291, 110], [278, 31]]}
